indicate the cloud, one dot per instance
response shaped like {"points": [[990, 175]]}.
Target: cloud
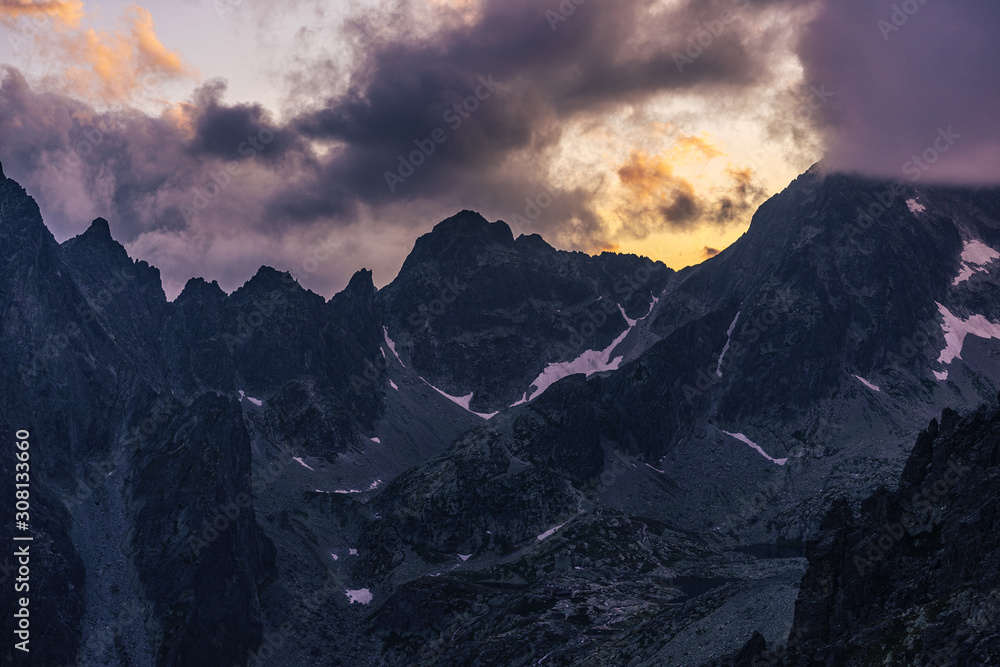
{"points": [[446, 106], [419, 71], [902, 72], [196, 176], [711, 252], [660, 198], [655, 198], [100, 66], [740, 199], [67, 13]]}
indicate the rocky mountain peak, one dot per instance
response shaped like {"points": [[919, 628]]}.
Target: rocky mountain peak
{"points": [[20, 218], [268, 279], [354, 307], [533, 241], [199, 289], [361, 284], [97, 247], [100, 228], [465, 229], [464, 222]]}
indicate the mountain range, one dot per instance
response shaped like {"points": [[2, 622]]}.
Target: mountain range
{"points": [[517, 455]]}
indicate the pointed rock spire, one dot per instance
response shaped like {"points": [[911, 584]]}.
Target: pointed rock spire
{"points": [[99, 228]]}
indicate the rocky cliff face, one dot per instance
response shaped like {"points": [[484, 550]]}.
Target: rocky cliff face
{"points": [[911, 576], [140, 450], [203, 532], [513, 453], [477, 311], [913, 579]]}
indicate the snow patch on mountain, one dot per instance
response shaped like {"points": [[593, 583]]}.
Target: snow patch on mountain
{"points": [[631, 323], [303, 463], [956, 329], [393, 385], [914, 206], [656, 300], [255, 401], [362, 596], [867, 383], [729, 340], [550, 532], [392, 346], [374, 485], [976, 255], [745, 440], [588, 363], [463, 401]]}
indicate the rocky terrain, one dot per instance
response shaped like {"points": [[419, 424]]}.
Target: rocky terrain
{"points": [[911, 578], [511, 454], [477, 311]]}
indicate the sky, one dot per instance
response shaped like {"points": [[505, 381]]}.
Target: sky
{"points": [[324, 137]]}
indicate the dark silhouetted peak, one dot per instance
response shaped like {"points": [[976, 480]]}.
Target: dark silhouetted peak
{"points": [[199, 289], [95, 249], [151, 284], [361, 284], [1, 171], [949, 419], [354, 308], [20, 220], [752, 650], [122, 292], [938, 547], [532, 241], [100, 228], [464, 222], [270, 286], [471, 225], [462, 238], [98, 263], [268, 278], [839, 515]]}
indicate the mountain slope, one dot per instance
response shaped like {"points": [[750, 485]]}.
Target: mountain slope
{"points": [[913, 579], [479, 312], [590, 457]]}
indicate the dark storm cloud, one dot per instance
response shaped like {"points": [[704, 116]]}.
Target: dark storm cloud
{"points": [[220, 127], [743, 197], [499, 88], [659, 200], [905, 75], [142, 172], [479, 104]]}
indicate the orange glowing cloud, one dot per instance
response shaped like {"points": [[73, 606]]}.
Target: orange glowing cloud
{"points": [[695, 148], [66, 13], [644, 174], [681, 189], [108, 67], [151, 55], [657, 196]]}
